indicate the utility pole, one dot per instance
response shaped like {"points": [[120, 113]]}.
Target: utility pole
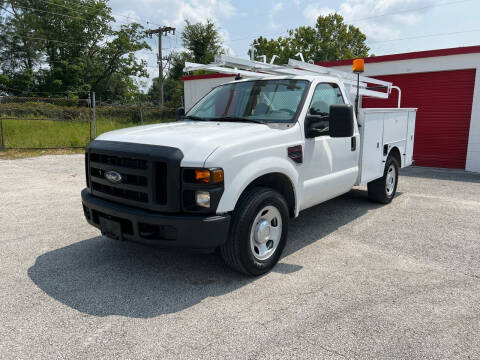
{"points": [[161, 31]]}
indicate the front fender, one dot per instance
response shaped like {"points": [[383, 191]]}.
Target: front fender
{"points": [[235, 186]]}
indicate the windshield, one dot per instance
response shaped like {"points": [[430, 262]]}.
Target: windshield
{"points": [[260, 100]]}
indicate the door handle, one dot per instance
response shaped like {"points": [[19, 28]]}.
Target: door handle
{"points": [[354, 143]]}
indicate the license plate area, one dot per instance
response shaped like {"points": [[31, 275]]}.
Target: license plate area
{"points": [[111, 228]]}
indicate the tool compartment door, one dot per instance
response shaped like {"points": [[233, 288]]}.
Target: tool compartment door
{"points": [[410, 138], [371, 162]]}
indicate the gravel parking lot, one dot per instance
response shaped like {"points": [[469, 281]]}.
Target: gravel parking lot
{"points": [[357, 280]]}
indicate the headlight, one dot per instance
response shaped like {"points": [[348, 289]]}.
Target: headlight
{"points": [[201, 189], [202, 198]]}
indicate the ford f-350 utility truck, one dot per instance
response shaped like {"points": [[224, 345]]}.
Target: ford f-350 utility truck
{"points": [[249, 156]]}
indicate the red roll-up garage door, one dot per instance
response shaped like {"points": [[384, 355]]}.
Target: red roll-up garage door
{"points": [[444, 102]]}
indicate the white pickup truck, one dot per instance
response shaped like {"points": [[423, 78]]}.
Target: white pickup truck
{"points": [[249, 156]]}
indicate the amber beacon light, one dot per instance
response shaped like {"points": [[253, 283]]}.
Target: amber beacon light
{"points": [[358, 66]]}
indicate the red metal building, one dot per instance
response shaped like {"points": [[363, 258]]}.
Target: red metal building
{"points": [[445, 87]]}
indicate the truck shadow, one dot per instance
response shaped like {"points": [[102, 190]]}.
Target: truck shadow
{"points": [[102, 277]]}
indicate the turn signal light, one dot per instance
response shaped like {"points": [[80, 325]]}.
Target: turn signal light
{"points": [[205, 176], [202, 176], [217, 176]]}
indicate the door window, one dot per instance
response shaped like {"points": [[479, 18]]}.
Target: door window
{"points": [[325, 94]]}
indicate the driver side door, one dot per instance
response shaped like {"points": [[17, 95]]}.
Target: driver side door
{"points": [[331, 164]]}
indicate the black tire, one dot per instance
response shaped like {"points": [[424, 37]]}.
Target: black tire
{"points": [[377, 189], [237, 251]]}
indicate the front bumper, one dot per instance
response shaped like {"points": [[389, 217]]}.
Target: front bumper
{"points": [[128, 223]]}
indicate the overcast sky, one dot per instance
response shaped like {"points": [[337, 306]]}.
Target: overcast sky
{"points": [[391, 26]]}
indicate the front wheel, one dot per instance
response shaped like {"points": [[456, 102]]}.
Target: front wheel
{"points": [[383, 189], [258, 233]]}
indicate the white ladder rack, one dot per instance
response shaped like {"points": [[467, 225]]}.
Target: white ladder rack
{"points": [[256, 69]]}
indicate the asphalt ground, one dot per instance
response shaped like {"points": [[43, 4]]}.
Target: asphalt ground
{"points": [[357, 280]]}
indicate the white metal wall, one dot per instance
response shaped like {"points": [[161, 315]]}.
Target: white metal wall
{"points": [[195, 89], [473, 153]]}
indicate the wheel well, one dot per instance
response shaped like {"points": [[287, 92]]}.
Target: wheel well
{"points": [[278, 182], [396, 153]]}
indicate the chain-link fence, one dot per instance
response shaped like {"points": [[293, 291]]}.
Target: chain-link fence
{"points": [[54, 123]]}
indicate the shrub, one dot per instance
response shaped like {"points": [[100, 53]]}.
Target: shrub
{"points": [[44, 110]]}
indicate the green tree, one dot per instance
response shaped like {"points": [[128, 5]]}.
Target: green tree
{"points": [[67, 46], [330, 39], [202, 42]]}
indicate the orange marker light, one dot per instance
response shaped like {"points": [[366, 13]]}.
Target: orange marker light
{"points": [[217, 176], [358, 65], [202, 176], [206, 176]]}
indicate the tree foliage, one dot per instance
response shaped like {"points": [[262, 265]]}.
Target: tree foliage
{"points": [[68, 47], [202, 41], [330, 39]]}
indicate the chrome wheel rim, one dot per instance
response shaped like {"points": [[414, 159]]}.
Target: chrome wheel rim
{"points": [[266, 232], [390, 180]]}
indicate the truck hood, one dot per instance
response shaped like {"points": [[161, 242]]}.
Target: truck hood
{"points": [[196, 139]]}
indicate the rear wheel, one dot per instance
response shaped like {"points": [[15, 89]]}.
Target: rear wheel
{"points": [[383, 189], [258, 233]]}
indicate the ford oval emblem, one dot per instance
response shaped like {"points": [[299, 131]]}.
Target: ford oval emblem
{"points": [[113, 176]]}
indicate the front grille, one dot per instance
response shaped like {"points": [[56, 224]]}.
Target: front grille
{"points": [[129, 179], [127, 162], [150, 175], [161, 178], [135, 173], [121, 193]]}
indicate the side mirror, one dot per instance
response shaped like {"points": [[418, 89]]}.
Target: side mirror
{"points": [[341, 121], [180, 113]]}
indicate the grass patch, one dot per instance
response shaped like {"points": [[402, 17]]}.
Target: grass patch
{"points": [[56, 134]]}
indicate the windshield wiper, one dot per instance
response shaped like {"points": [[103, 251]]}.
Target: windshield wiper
{"points": [[195, 118], [239, 119]]}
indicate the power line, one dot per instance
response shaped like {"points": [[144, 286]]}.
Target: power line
{"points": [[425, 36], [255, 36], [77, 11], [72, 17], [62, 6], [406, 11], [130, 21], [74, 10], [49, 12], [359, 19]]}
